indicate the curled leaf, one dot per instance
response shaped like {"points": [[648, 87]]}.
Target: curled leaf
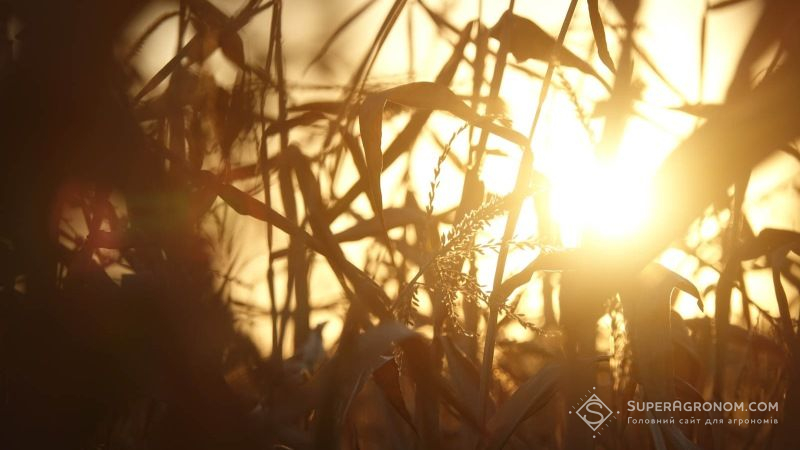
{"points": [[527, 40], [555, 261], [420, 95], [369, 120], [434, 96], [767, 241], [600, 34], [387, 377], [674, 280]]}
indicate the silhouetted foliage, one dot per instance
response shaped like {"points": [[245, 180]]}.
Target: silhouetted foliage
{"points": [[120, 326]]}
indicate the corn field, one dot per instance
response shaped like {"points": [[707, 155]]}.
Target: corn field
{"points": [[402, 224]]}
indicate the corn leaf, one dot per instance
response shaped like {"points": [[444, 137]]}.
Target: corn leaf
{"points": [[600, 34], [531, 396], [527, 40], [424, 96]]}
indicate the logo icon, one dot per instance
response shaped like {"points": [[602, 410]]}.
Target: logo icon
{"points": [[594, 412]]}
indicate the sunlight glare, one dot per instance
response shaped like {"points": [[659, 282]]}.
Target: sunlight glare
{"points": [[605, 199]]}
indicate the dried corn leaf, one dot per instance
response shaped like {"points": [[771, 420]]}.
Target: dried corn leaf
{"points": [[531, 396], [600, 34], [421, 95], [527, 40]]}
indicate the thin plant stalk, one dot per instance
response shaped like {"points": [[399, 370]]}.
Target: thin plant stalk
{"points": [[521, 184]]}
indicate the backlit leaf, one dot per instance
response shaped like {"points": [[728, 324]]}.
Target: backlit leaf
{"points": [[600, 34], [767, 241], [527, 40], [232, 47], [420, 95], [672, 279]]}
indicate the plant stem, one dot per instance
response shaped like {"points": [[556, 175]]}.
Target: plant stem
{"points": [[523, 176]]}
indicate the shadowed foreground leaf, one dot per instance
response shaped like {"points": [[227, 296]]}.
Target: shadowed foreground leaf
{"points": [[647, 307], [346, 374], [531, 396], [388, 380]]}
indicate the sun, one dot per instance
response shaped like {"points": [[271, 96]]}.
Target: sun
{"points": [[603, 199], [607, 198]]}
